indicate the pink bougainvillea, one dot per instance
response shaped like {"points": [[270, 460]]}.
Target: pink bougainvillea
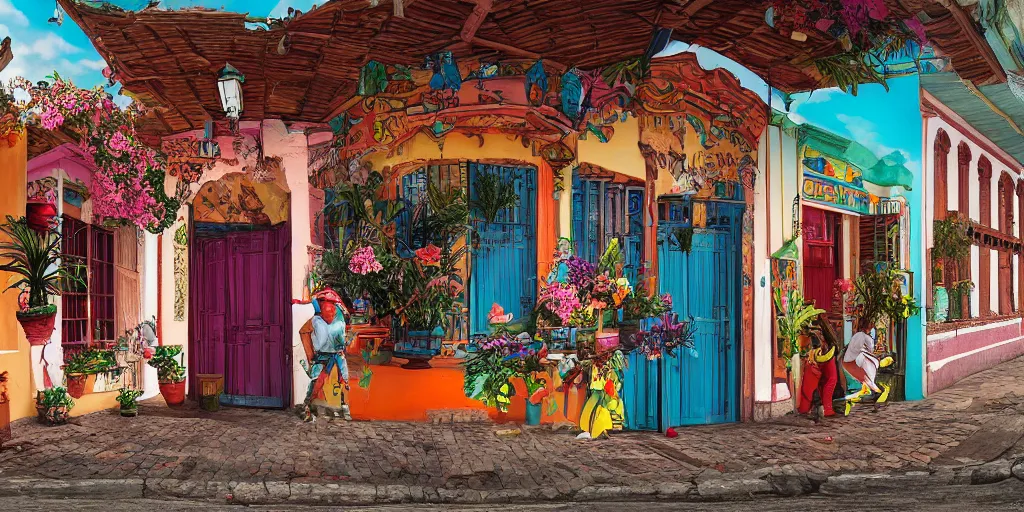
{"points": [[127, 185], [364, 261]]}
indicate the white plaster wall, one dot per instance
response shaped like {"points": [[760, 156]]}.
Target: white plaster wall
{"points": [[762, 276], [150, 297], [775, 189], [993, 282], [999, 166], [975, 271]]}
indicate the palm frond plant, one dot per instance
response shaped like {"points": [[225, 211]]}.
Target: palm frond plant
{"points": [[794, 317], [879, 296], [34, 259], [494, 194]]}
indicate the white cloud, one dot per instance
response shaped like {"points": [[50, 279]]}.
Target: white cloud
{"points": [[47, 47], [95, 64], [863, 131], [780, 105], [819, 96], [4, 31], [9, 12], [281, 9]]}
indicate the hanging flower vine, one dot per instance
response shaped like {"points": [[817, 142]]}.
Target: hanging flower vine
{"points": [[128, 183]]}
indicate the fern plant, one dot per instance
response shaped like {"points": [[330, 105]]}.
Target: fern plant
{"points": [[494, 194]]}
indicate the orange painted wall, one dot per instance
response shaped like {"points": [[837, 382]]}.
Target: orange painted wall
{"points": [[397, 394], [15, 356]]}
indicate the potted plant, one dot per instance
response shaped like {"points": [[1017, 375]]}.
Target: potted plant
{"points": [[127, 397], [536, 390], [958, 292], [413, 279], [794, 317], [54, 405], [499, 359], [170, 373], [80, 365], [34, 258], [951, 246]]}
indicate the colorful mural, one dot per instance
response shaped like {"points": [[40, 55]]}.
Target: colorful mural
{"points": [[43, 191], [237, 199], [180, 272]]}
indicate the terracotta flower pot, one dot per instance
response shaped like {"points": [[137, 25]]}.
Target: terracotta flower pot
{"points": [[38, 326], [52, 415], [76, 385], [40, 216], [173, 393]]}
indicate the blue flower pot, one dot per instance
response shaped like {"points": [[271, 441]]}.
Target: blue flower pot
{"points": [[418, 347], [532, 413]]}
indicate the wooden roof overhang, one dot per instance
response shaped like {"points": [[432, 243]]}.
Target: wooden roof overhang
{"points": [[6, 56], [169, 60]]}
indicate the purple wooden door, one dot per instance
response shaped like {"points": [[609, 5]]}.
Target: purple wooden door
{"points": [[210, 311], [242, 315]]}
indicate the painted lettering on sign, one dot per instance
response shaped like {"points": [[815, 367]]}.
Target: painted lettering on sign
{"points": [[834, 193]]}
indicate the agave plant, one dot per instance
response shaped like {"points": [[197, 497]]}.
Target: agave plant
{"points": [[795, 315], [34, 259]]}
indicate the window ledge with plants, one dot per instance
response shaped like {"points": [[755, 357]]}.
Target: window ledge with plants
{"points": [[956, 325]]}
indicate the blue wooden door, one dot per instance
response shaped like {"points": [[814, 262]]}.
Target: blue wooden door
{"points": [[504, 252], [640, 387], [586, 218], [704, 282], [602, 211]]}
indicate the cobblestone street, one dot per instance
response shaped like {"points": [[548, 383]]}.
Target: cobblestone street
{"points": [[978, 420]]}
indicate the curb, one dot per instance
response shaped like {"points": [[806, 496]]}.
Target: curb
{"points": [[709, 486]]}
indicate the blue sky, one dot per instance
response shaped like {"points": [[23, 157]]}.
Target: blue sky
{"points": [[875, 118], [883, 121], [41, 47]]}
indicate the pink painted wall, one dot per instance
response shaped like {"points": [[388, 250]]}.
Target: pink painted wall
{"points": [[958, 354]]}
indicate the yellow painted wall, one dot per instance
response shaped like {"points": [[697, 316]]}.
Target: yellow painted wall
{"points": [[15, 357], [620, 154], [455, 146]]}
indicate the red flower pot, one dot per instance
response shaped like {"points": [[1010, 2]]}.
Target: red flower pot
{"points": [[38, 326], [76, 385], [173, 392], [40, 216]]}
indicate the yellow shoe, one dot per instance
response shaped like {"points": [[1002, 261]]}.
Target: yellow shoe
{"points": [[849, 405], [885, 394], [885, 362]]}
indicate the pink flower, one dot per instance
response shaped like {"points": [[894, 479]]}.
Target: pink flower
{"points": [[364, 261]]}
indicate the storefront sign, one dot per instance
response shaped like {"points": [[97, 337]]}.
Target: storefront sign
{"points": [[831, 192]]}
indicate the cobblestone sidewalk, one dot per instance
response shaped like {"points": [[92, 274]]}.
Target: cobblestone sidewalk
{"points": [[979, 419]]}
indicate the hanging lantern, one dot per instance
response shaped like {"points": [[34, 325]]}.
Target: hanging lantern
{"points": [[230, 85]]}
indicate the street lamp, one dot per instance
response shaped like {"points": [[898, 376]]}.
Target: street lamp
{"points": [[230, 85]]}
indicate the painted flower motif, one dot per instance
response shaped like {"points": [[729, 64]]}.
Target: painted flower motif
{"points": [[429, 255], [364, 261]]}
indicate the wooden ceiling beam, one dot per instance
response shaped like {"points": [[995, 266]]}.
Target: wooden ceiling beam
{"points": [[970, 31], [476, 19]]}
